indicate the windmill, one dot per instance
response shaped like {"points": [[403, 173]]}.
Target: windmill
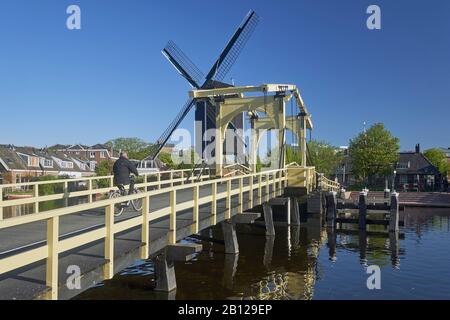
{"points": [[205, 110]]}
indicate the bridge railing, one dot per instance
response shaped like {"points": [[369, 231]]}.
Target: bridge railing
{"points": [[272, 182], [327, 184], [87, 189]]}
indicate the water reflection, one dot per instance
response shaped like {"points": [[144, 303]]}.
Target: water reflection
{"points": [[308, 262]]}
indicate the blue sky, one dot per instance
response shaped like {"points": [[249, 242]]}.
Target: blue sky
{"points": [[109, 79]]}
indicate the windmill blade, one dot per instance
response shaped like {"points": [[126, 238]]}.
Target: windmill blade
{"points": [[234, 47], [156, 148], [183, 64]]}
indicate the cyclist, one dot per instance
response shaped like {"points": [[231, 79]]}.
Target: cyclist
{"points": [[122, 170]]}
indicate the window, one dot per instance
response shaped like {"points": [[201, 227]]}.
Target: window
{"points": [[67, 165], [82, 166], [404, 165], [102, 154], [403, 179], [92, 165], [92, 154], [46, 163], [33, 161]]}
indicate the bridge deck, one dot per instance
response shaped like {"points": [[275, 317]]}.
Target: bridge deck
{"points": [[29, 282]]}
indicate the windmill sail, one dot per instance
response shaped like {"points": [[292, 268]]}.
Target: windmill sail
{"points": [[194, 76], [234, 47], [183, 64], [156, 148]]}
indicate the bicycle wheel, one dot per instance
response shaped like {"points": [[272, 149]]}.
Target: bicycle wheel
{"points": [[118, 208], [137, 204]]}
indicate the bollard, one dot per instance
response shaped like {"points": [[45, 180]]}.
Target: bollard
{"points": [[394, 214], [362, 210], [331, 209]]}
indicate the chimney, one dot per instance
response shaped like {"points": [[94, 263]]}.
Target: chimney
{"points": [[418, 148]]}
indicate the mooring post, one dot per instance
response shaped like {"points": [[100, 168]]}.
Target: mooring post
{"points": [[165, 274], [393, 245], [230, 237], [268, 219], [394, 213], [331, 234], [362, 210], [295, 212], [331, 209]]}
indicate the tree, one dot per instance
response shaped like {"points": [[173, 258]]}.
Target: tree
{"points": [[166, 158], [373, 152], [438, 159], [104, 168], [322, 155], [136, 148]]}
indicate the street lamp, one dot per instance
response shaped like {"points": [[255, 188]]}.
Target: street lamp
{"points": [[393, 180]]}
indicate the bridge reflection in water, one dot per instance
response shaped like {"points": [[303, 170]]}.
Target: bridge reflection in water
{"points": [[267, 268]]}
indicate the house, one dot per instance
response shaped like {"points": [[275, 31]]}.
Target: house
{"points": [[414, 172], [92, 154], [22, 164]]}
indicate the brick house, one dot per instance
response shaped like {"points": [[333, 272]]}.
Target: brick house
{"points": [[93, 154], [22, 164]]}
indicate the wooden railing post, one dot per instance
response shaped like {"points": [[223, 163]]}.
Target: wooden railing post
{"points": [[111, 182], [274, 184], [36, 196], [51, 277], [250, 194], [173, 217], [91, 191], [259, 189], [159, 180], [145, 232], [195, 217], [228, 212], [241, 196], [66, 193], [182, 177], [267, 187], [214, 204], [171, 178], [109, 242]]}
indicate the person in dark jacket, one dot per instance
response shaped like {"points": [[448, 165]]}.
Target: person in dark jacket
{"points": [[122, 170]]}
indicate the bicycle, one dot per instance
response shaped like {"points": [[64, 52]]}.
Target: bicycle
{"points": [[120, 207]]}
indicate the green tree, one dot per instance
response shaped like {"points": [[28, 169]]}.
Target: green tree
{"points": [[104, 168], [438, 159], [166, 158], [373, 152], [136, 148], [322, 155]]}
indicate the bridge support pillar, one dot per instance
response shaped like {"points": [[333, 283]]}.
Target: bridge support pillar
{"points": [[165, 274], [295, 212], [164, 264], [268, 219], [230, 237]]}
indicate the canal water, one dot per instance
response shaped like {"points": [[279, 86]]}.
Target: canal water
{"points": [[308, 262]]}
